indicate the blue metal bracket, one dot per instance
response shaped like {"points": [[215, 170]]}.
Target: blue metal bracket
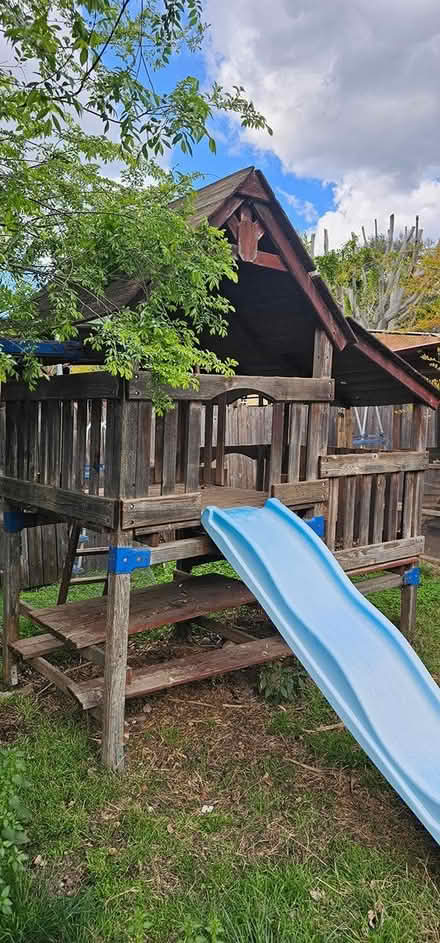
{"points": [[411, 577], [127, 559], [13, 521], [317, 524]]}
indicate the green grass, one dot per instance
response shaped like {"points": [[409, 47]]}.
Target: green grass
{"points": [[305, 843]]}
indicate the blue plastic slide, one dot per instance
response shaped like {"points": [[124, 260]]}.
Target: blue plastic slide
{"points": [[363, 665]]}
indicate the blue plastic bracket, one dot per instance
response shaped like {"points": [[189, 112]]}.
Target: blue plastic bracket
{"points": [[13, 521], [317, 524], [127, 559], [411, 577]]}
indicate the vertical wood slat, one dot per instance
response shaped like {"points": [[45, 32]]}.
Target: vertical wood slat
{"points": [[11, 444], [419, 434], [44, 440], [207, 453], [95, 445], [158, 448], [22, 441], [143, 451], [391, 506], [379, 509], [182, 408], [332, 517], [32, 410], [348, 511], [67, 445], [80, 444], [169, 451], [220, 444], [192, 456], [408, 503], [318, 413], [365, 485], [276, 445], [295, 439], [128, 432], [112, 475]]}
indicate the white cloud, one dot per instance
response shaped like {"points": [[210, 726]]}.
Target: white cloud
{"points": [[304, 208], [350, 88]]}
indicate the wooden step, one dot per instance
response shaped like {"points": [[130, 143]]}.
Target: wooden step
{"points": [[190, 668], [35, 646], [80, 624]]}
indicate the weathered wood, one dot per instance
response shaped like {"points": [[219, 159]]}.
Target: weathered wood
{"points": [[408, 504], [95, 445], [72, 552], [379, 583], [301, 492], [180, 549], [332, 515], [158, 448], [143, 448], [67, 445], [139, 512], [53, 674], [379, 509], [207, 450], [348, 515], [249, 232], [169, 452], [231, 632], [190, 668], [365, 488], [70, 387], [86, 580], [372, 463], [113, 449], [276, 447], [36, 645], [391, 507], [81, 443], [89, 509], [80, 624], [11, 602], [392, 550], [192, 451], [400, 373], [295, 439], [220, 442], [408, 606], [278, 389], [116, 637], [128, 449], [419, 432]]}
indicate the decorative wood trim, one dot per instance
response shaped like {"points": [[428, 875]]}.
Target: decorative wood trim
{"points": [[220, 216], [89, 509], [373, 463], [278, 389]]}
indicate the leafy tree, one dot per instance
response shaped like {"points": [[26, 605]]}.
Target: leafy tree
{"points": [[383, 281], [79, 102]]}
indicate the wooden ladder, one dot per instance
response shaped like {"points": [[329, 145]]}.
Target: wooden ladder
{"points": [[73, 551]]}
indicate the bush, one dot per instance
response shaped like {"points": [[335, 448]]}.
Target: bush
{"points": [[13, 817], [279, 683]]}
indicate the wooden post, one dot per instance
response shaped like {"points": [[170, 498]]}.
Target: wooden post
{"points": [[419, 433], [408, 607], [319, 413], [412, 515], [118, 607], [119, 484], [11, 599]]}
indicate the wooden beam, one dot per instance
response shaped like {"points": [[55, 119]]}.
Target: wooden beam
{"points": [[166, 509], [377, 554], [303, 279], [115, 672], [220, 216], [73, 386], [89, 509], [300, 492], [372, 463], [279, 389], [11, 596], [53, 674], [379, 583]]}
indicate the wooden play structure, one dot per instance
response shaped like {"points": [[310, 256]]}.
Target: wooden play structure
{"points": [[295, 350]]}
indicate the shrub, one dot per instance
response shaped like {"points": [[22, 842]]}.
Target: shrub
{"points": [[13, 817]]}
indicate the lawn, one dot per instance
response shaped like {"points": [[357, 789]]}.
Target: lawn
{"points": [[237, 821]]}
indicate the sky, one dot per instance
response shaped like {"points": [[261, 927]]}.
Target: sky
{"points": [[351, 90]]}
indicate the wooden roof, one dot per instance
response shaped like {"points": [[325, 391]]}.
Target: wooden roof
{"points": [[403, 341]]}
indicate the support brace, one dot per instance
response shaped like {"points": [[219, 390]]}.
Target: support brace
{"points": [[411, 577], [127, 559]]}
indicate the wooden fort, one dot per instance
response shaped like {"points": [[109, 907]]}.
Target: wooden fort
{"points": [[150, 476]]}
